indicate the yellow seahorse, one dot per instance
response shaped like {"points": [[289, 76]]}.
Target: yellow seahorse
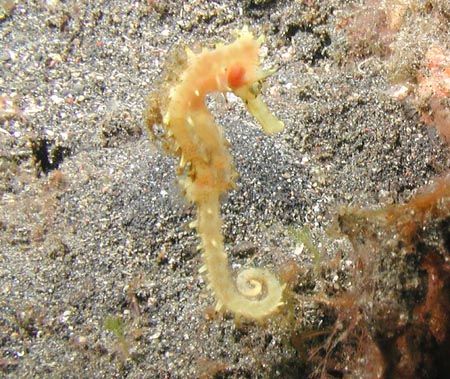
{"points": [[206, 170]]}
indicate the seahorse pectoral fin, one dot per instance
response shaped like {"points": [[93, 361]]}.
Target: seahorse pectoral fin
{"points": [[256, 106]]}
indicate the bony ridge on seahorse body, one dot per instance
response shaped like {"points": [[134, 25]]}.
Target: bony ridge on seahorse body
{"points": [[206, 170]]}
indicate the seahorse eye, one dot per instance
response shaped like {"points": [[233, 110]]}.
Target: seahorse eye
{"points": [[236, 74]]}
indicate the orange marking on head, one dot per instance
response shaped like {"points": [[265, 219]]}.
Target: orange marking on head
{"points": [[236, 75]]}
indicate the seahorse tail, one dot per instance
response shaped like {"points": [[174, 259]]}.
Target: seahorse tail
{"points": [[256, 294]]}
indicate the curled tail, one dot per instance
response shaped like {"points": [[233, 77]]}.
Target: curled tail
{"points": [[256, 294]]}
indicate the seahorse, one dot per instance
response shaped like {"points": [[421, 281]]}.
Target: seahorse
{"points": [[206, 171]]}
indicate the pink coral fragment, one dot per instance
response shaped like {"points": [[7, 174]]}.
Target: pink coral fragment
{"points": [[433, 92]]}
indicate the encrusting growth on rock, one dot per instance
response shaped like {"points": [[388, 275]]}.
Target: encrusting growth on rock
{"points": [[206, 170]]}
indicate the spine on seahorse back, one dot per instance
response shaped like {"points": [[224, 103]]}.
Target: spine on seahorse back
{"points": [[206, 169]]}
